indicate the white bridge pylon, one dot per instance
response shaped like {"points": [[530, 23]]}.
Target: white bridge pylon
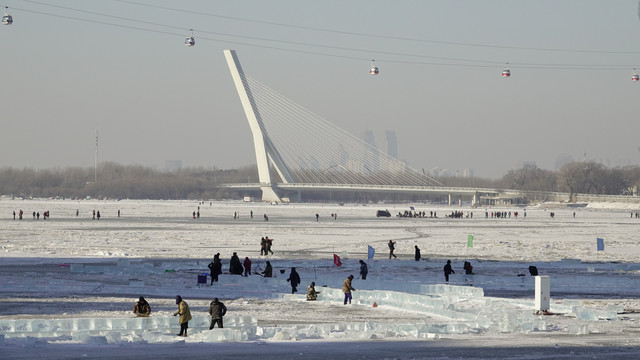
{"points": [[266, 153]]}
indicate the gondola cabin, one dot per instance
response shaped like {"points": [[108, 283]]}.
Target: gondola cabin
{"points": [[7, 19], [506, 73], [190, 41], [374, 69]]}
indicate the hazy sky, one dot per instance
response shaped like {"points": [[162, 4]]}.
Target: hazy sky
{"points": [[153, 99]]}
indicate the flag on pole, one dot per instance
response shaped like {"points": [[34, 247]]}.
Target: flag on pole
{"points": [[370, 252], [470, 240], [336, 260], [600, 244]]}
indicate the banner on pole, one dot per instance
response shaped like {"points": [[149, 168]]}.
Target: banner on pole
{"points": [[600, 244], [336, 260], [370, 252], [470, 240]]}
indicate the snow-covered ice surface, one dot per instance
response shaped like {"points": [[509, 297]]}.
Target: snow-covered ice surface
{"points": [[68, 283]]}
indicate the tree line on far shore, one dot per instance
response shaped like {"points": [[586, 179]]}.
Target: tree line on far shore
{"points": [[116, 181]]}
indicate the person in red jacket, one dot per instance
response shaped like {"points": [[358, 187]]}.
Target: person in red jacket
{"points": [[247, 266]]}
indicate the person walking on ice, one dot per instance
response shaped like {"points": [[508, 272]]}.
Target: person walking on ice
{"points": [[268, 243], [392, 247], [217, 310], [294, 280], [263, 247], [448, 271], [347, 289], [185, 315], [364, 270]]}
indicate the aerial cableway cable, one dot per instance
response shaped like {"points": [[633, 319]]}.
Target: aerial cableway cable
{"points": [[375, 36], [446, 61]]}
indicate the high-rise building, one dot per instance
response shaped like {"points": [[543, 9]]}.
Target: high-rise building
{"points": [[369, 138], [372, 162], [392, 144]]}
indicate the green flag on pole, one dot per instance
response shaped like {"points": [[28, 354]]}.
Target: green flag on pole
{"points": [[470, 241]]}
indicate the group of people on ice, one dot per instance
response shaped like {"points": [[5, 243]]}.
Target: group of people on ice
{"points": [[265, 246], [235, 267], [36, 215], [217, 310]]}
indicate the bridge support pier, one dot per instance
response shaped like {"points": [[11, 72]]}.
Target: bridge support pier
{"points": [[269, 194], [449, 199], [474, 201]]}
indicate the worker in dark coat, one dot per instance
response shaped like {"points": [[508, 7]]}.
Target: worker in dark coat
{"points": [[392, 247], [468, 269], [142, 308], [417, 253], [448, 270], [268, 270], [217, 310], [364, 270], [235, 267], [294, 280], [215, 269]]}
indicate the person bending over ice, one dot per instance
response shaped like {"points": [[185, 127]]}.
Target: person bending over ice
{"points": [[347, 289], [142, 308], [312, 294]]}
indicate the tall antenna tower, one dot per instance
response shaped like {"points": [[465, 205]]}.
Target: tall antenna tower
{"points": [[95, 167]]}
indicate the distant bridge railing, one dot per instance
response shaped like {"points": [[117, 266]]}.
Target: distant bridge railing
{"points": [[481, 192], [365, 187]]}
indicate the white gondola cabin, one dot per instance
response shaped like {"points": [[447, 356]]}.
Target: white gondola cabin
{"points": [[7, 19], [190, 41], [506, 72], [374, 69]]}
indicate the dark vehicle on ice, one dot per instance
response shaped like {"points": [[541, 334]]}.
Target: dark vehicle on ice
{"points": [[384, 213]]}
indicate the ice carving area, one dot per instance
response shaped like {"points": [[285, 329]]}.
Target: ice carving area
{"points": [[444, 310]]}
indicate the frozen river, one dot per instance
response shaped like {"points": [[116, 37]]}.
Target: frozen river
{"points": [[73, 268]]}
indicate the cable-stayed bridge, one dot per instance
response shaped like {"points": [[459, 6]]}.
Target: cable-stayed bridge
{"points": [[297, 150]]}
